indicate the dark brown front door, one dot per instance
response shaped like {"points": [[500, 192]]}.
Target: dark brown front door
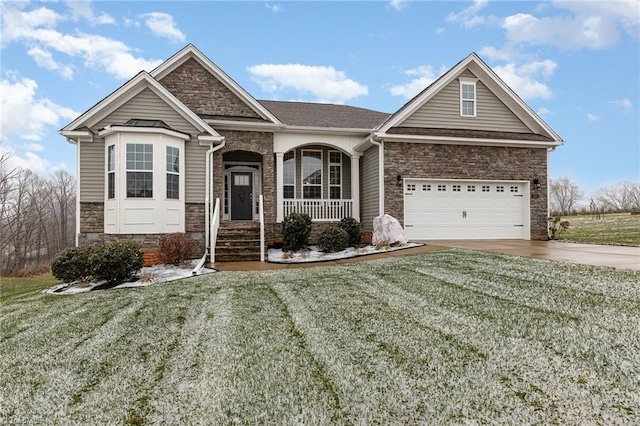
{"points": [[241, 196]]}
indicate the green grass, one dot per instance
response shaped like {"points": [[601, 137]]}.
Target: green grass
{"points": [[12, 286], [440, 338], [614, 229]]}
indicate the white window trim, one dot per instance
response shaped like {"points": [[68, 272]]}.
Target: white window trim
{"points": [[329, 175], [466, 81], [174, 173], [111, 171], [294, 174], [123, 215], [321, 174]]}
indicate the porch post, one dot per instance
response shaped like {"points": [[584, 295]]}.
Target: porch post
{"points": [[279, 186], [355, 186]]}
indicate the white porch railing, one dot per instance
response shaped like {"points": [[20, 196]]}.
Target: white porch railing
{"points": [[320, 210], [215, 225]]}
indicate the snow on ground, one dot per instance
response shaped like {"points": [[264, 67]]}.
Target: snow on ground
{"points": [[147, 275], [315, 255]]}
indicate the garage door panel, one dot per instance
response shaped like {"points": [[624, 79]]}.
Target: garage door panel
{"points": [[466, 210]]}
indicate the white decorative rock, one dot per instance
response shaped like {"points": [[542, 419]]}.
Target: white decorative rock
{"points": [[387, 230]]}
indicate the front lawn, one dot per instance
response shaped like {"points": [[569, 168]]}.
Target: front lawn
{"points": [[616, 229], [446, 337]]}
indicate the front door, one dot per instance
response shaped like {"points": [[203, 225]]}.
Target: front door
{"points": [[241, 196]]}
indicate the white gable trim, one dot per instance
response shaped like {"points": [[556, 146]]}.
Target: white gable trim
{"points": [[190, 51], [416, 103], [129, 90]]}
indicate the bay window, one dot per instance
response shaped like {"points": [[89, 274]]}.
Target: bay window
{"points": [[144, 189]]}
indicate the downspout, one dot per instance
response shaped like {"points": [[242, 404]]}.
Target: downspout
{"points": [[380, 146], [208, 190]]}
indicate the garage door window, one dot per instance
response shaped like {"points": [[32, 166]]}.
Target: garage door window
{"points": [[471, 188]]}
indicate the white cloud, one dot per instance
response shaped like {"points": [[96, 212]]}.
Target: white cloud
{"points": [[162, 25], [440, 31], [25, 115], [273, 7], [44, 59], [523, 79], [326, 84], [36, 30], [543, 111], [31, 161], [625, 104], [398, 5], [469, 18], [83, 10], [33, 146], [592, 117], [422, 77], [593, 25]]}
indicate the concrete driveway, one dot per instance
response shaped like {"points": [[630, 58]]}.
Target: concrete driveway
{"points": [[588, 254]]}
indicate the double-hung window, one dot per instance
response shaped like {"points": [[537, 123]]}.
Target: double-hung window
{"points": [[139, 170], [289, 174], [173, 173], [312, 174], [335, 175], [111, 172], [467, 97]]}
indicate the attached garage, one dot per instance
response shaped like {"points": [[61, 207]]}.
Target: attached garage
{"points": [[466, 209]]}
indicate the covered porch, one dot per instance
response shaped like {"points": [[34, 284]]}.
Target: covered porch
{"points": [[320, 179]]}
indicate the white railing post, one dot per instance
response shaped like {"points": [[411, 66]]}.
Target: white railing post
{"points": [[261, 212], [215, 225]]}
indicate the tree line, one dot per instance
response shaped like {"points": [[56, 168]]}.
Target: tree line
{"points": [[37, 217], [565, 198]]}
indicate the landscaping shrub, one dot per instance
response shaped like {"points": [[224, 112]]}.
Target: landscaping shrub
{"points": [[116, 262], [557, 226], [72, 264], [333, 239], [352, 227], [175, 248], [296, 228]]}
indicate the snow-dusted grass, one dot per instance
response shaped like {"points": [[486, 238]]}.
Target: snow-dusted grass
{"points": [[445, 337], [313, 253], [614, 229]]}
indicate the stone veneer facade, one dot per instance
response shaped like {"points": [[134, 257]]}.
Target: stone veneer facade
{"points": [[423, 160]]}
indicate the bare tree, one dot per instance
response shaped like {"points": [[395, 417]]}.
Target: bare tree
{"points": [[37, 216], [564, 195], [620, 197]]}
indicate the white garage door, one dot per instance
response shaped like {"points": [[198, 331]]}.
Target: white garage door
{"points": [[457, 209]]}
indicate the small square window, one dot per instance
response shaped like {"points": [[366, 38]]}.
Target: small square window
{"points": [[499, 188], [486, 188], [513, 189], [411, 187], [471, 188], [442, 188], [456, 188], [426, 187]]}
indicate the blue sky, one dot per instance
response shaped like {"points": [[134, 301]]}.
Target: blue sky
{"points": [[577, 64]]}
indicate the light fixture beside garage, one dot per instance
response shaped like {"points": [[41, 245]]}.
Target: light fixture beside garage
{"points": [[399, 180], [536, 187]]}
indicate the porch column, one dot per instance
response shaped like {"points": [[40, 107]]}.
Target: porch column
{"points": [[355, 186], [279, 186]]}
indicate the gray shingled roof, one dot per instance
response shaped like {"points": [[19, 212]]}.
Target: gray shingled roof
{"points": [[324, 115]]}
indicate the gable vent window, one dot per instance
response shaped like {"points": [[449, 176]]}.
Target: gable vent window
{"points": [[467, 97]]}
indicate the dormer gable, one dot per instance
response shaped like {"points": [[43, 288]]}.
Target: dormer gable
{"points": [[207, 90], [470, 96]]}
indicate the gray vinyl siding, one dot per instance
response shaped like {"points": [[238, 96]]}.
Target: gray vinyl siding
{"points": [[91, 171], [195, 173], [443, 111], [369, 187], [147, 105]]}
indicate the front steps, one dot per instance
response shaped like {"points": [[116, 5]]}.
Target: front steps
{"points": [[238, 242]]}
